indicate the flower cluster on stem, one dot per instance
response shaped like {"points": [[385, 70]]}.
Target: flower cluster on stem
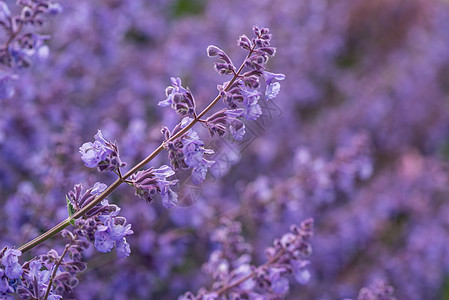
{"points": [[101, 225], [22, 43], [236, 278], [240, 96], [10, 272], [51, 275], [102, 154], [96, 221]]}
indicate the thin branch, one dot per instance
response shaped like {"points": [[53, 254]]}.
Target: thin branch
{"points": [[53, 274], [53, 231]]}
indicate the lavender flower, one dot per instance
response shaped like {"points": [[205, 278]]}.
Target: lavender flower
{"points": [[10, 272], [152, 181], [188, 151], [193, 150], [235, 94], [7, 85], [103, 240], [41, 277], [273, 88], [93, 153], [102, 154], [112, 234], [22, 46], [265, 281], [38, 277], [51, 275], [224, 67], [218, 121], [9, 261], [101, 225], [380, 291], [98, 188], [179, 98], [111, 231], [237, 129], [252, 109]]}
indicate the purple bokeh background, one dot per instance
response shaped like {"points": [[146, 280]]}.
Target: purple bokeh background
{"points": [[356, 139]]}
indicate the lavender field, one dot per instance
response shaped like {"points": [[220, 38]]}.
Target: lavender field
{"points": [[205, 149]]}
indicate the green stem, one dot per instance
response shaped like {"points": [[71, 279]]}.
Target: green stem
{"points": [[52, 232]]}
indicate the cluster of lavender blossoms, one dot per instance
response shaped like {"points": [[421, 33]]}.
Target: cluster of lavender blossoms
{"points": [[356, 138], [10, 270], [236, 278], [51, 275], [240, 96], [101, 225], [101, 154], [96, 221], [22, 45], [152, 181]]}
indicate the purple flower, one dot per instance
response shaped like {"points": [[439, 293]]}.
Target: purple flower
{"points": [[234, 113], [250, 93], [162, 173], [41, 277], [193, 150], [218, 121], [113, 232], [98, 188], [179, 98], [102, 154], [54, 8], [5, 289], [152, 181], [169, 198], [241, 272], [118, 229], [269, 77], [170, 91], [279, 285], [300, 271], [122, 248], [225, 66], [145, 184], [10, 260], [251, 107], [101, 225], [7, 89], [103, 241], [199, 172], [34, 283], [237, 129], [217, 265], [381, 291], [93, 153], [273, 88]]}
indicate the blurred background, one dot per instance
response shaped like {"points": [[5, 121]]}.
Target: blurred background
{"points": [[358, 139]]}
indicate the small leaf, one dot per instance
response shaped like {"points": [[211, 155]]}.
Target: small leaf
{"points": [[70, 209]]}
